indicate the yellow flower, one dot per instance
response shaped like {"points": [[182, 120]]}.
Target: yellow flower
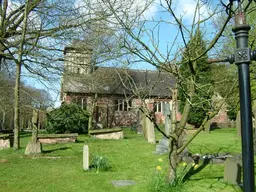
{"points": [[160, 160], [159, 168], [184, 164], [193, 164], [196, 166]]}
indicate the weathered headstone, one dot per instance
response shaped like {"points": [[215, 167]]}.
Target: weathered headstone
{"points": [[86, 157], [150, 131], [34, 146], [123, 183], [139, 125], [35, 124], [238, 124], [232, 171], [144, 126], [232, 123], [163, 145], [4, 141], [167, 114]]}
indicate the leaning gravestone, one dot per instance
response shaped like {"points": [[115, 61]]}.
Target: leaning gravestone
{"points": [[238, 124], [150, 131], [163, 145], [232, 171], [34, 146]]}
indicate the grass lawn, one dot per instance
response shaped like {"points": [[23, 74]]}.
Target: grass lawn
{"points": [[59, 168]]}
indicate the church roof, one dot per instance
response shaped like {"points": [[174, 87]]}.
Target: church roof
{"points": [[116, 81]]}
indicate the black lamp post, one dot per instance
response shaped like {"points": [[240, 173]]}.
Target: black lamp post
{"points": [[242, 58]]}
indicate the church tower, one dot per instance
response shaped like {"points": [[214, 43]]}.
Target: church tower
{"points": [[77, 60]]}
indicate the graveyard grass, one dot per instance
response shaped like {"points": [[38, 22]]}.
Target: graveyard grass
{"points": [[59, 168]]}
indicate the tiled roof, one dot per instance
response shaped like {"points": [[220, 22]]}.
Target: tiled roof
{"points": [[108, 80]]}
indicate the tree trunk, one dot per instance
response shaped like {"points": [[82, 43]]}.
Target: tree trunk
{"points": [[16, 142], [144, 126], [90, 123], [173, 141], [91, 107], [3, 121], [177, 130], [35, 125], [207, 127], [173, 161]]}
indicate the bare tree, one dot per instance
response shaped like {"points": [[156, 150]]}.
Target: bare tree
{"points": [[32, 36], [143, 41]]}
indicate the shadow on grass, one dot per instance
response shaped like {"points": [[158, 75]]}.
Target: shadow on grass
{"points": [[193, 171], [212, 185], [58, 149]]}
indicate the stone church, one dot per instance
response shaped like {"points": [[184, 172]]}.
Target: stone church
{"points": [[114, 95]]}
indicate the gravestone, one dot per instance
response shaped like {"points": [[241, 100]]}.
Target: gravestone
{"points": [[168, 122], [34, 146], [238, 124], [5, 141], [123, 183], [143, 123], [232, 171], [139, 123], [232, 123], [86, 157], [151, 138], [163, 145]]}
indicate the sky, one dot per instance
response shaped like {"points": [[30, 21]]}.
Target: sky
{"points": [[167, 33]]}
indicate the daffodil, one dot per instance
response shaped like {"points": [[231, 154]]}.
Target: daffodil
{"points": [[159, 168], [193, 164], [160, 160], [196, 166]]}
